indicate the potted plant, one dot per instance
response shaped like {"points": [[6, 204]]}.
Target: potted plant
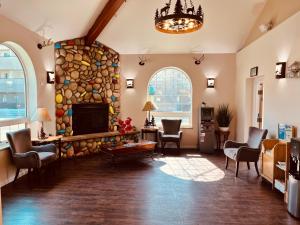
{"points": [[224, 117]]}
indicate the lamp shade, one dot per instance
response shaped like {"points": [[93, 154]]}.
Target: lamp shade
{"points": [[149, 106], [43, 115]]}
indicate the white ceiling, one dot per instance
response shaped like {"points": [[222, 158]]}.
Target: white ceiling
{"points": [[226, 26], [61, 19]]}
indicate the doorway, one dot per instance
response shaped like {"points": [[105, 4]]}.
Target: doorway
{"points": [[258, 103]]}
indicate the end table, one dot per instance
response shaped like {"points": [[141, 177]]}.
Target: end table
{"points": [[150, 130], [221, 137], [51, 139]]}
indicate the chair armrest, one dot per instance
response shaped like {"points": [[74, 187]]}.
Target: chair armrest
{"points": [[29, 159], [248, 154], [232, 144], [160, 133], [180, 133], [45, 148]]}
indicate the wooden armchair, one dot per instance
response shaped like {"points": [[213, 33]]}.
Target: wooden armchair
{"points": [[245, 152], [171, 132], [26, 156]]}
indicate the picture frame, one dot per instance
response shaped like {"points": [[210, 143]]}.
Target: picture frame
{"points": [[254, 71], [280, 70]]}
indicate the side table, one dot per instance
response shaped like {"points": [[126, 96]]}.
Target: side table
{"points": [[150, 130], [221, 137], [51, 139]]}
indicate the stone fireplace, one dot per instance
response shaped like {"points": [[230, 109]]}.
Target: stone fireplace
{"points": [[86, 76]]}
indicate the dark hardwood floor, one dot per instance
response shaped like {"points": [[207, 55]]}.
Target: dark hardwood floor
{"points": [[189, 189]]}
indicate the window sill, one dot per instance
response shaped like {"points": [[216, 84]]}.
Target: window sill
{"points": [[4, 146]]}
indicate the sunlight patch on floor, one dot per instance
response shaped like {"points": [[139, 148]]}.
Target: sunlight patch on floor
{"points": [[191, 168]]}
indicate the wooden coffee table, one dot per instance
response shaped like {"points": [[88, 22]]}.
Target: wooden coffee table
{"points": [[143, 148]]}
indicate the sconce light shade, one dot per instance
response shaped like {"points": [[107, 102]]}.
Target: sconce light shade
{"points": [[280, 70], [130, 83], [50, 77], [211, 83]]}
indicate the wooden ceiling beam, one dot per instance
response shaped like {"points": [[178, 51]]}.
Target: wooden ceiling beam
{"points": [[103, 19]]}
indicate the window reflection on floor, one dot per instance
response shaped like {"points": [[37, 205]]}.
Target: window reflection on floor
{"points": [[191, 167]]}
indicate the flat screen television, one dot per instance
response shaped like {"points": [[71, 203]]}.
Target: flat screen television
{"points": [[207, 114]]}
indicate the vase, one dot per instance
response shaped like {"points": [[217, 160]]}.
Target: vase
{"points": [[224, 129]]}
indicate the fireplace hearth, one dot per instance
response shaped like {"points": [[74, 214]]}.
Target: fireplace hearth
{"points": [[90, 118]]}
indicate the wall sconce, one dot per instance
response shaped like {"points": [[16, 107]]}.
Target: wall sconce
{"points": [[280, 70], [129, 83], [50, 77], [210, 82]]}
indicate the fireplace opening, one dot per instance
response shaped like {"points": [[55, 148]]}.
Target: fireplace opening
{"points": [[90, 118]]}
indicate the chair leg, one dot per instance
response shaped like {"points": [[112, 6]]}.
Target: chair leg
{"points": [[17, 174], [248, 165], [178, 145], [256, 168], [237, 168], [163, 147], [226, 163]]}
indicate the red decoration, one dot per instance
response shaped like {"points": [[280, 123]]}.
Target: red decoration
{"points": [[125, 126]]}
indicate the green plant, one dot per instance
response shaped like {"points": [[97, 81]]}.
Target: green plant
{"points": [[224, 115]]}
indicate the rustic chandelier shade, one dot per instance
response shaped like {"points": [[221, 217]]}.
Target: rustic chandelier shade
{"points": [[185, 19]]}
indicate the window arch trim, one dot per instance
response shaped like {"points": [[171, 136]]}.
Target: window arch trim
{"points": [[30, 88], [174, 114]]}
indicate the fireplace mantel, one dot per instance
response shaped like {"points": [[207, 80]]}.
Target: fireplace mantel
{"points": [[96, 135]]}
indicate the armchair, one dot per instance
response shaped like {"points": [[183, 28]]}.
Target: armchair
{"points": [[245, 152], [171, 132], [26, 156]]}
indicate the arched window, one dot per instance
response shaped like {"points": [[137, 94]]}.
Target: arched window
{"points": [[170, 89], [12, 92]]}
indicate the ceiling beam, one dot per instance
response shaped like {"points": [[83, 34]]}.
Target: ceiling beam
{"points": [[103, 19]]}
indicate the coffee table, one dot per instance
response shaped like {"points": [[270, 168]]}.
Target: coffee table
{"points": [[143, 148]]}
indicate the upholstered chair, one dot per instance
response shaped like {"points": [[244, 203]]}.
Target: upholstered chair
{"points": [[246, 152], [26, 156], [170, 133]]}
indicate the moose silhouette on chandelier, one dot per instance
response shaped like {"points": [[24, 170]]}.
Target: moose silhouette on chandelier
{"points": [[184, 19]]}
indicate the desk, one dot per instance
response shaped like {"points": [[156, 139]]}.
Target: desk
{"points": [[51, 139], [221, 137], [150, 130]]}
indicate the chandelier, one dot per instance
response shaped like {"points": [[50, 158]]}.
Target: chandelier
{"points": [[185, 19]]}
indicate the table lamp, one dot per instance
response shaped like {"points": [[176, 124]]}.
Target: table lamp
{"points": [[149, 106], [43, 116]]}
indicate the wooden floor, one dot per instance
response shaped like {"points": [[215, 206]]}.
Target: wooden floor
{"points": [[189, 189]]}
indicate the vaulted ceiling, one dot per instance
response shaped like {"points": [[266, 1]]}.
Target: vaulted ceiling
{"points": [[131, 31]]}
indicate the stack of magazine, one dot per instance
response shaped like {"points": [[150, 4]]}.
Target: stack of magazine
{"points": [[281, 165]]}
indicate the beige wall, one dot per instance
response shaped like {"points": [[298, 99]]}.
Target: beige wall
{"points": [[281, 103], [221, 66], [276, 11], [43, 60]]}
